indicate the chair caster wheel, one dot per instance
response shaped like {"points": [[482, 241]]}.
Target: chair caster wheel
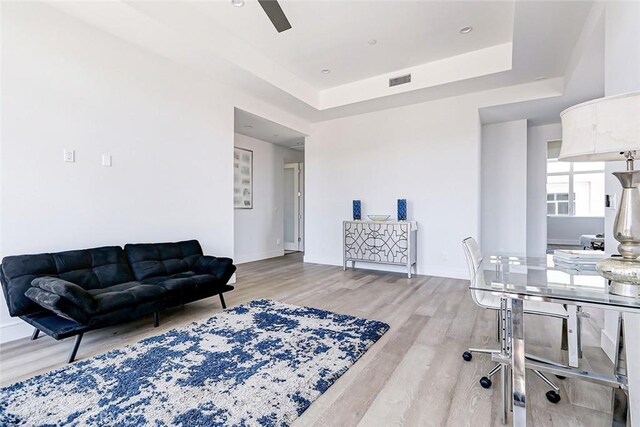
{"points": [[486, 383], [560, 377], [467, 356], [553, 397]]}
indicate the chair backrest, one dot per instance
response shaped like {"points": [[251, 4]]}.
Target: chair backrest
{"points": [[474, 262]]}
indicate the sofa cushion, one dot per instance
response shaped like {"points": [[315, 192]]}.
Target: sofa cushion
{"points": [[88, 268], [94, 268], [57, 304], [221, 268], [125, 294], [149, 260], [70, 291], [182, 281]]}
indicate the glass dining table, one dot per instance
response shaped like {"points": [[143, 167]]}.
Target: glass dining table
{"points": [[517, 278]]}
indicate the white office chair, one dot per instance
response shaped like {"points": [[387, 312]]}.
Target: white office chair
{"points": [[492, 302]]}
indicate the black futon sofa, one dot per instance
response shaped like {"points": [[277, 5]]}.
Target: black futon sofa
{"points": [[66, 294]]}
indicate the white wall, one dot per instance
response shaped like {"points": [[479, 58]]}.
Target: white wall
{"points": [[504, 187], [622, 74], [567, 230], [537, 138], [427, 153], [68, 85], [257, 230]]}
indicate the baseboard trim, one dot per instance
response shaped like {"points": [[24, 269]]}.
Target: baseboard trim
{"points": [[242, 259], [429, 270], [319, 260], [14, 330], [448, 272], [564, 242]]}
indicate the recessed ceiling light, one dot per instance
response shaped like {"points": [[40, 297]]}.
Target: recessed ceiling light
{"points": [[539, 78], [248, 126], [466, 30], [237, 3], [325, 71], [372, 42]]}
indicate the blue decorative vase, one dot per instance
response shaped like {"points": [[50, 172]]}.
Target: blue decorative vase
{"points": [[357, 210], [402, 209]]}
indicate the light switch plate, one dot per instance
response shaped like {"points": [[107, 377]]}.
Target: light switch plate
{"points": [[69, 156], [106, 160]]}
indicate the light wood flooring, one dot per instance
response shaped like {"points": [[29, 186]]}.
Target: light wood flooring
{"points": [[413, 376]]}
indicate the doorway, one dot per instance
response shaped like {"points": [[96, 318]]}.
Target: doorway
{"points": [[293, 209], [262, 148]]}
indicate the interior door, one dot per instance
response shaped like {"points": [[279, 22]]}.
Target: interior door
{"points": [[292, 212]]}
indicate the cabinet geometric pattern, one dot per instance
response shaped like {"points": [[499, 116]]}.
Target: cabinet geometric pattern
{"points": [[380, 242]]}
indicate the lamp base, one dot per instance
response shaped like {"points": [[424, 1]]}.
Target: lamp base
{"points": [[624, 275], [625, 289]]}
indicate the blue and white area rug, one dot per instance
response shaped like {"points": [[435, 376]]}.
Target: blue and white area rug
{"points": [[261, 363]]}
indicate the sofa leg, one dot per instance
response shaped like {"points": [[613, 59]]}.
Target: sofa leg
{"points": [[74, 350], [222, 302], [156, 319], [35, 334]]}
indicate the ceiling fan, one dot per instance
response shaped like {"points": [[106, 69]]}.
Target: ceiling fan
{"points": [[275, 14]]}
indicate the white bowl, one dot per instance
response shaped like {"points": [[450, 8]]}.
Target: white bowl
{"points": [[378, 217]]}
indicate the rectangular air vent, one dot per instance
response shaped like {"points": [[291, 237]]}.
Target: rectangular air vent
{"points": [[400, 80]]}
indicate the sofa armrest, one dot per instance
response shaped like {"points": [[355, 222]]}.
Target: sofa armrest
{"points": [[67, 290], [57, 304], [220, 268]]}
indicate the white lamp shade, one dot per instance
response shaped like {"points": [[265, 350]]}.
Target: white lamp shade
{"points": [[601, 129]]}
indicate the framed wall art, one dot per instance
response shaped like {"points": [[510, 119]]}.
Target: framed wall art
{"points": [[242, 178]]}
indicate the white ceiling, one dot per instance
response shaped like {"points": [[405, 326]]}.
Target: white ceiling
{"points": [[335, 34], [257, 127], [512, 43], [584, 80]]}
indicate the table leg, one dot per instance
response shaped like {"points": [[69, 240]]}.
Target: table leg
{"points": [[632, 356], [619, 405], [504, 351], [505, 391], [573, 335], [518, 367], [504, 372]]}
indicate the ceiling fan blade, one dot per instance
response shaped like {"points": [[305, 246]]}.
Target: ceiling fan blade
{"points": [[275, 14]]}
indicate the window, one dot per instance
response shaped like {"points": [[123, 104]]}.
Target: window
{"points": [[573, 189], [558, 204]]}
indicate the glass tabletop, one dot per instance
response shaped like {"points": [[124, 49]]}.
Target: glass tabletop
{"points": [[539, 279]]}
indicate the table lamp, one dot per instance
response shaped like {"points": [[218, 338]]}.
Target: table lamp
{"points": [[608, 129]]}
